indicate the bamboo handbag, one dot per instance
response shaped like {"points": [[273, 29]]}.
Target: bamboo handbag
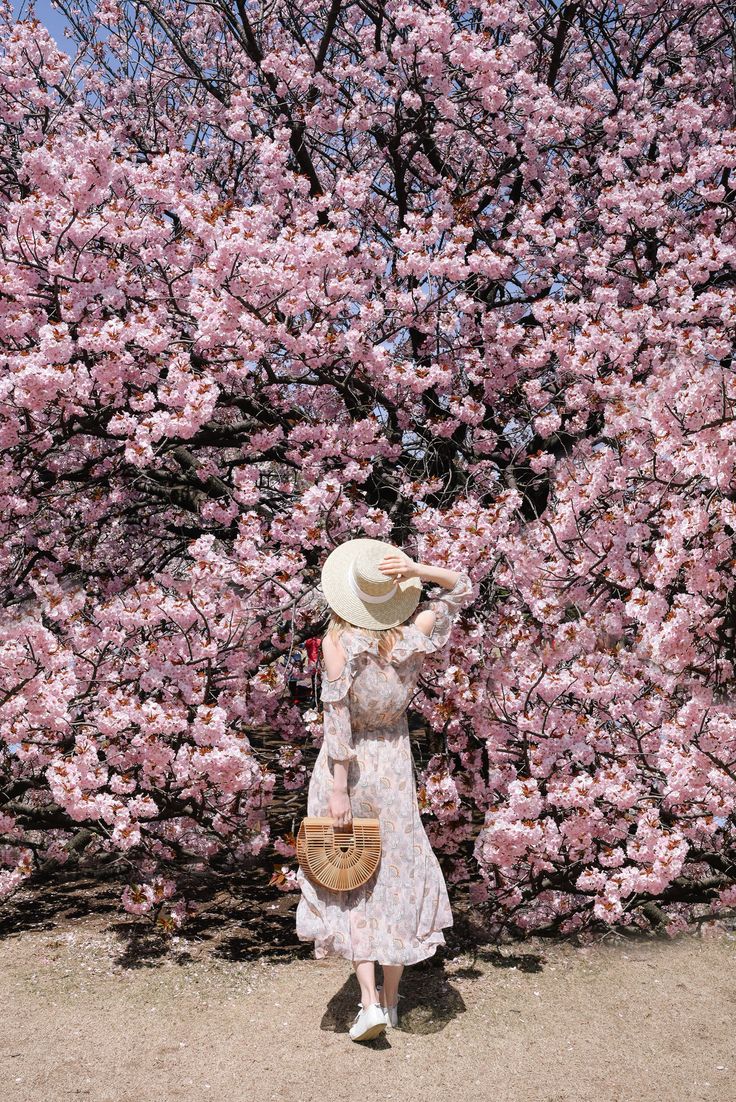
{"points": [[338, 858]]}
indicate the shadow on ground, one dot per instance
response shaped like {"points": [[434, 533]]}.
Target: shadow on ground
{"points": [[241, 917], [428, 1002]]}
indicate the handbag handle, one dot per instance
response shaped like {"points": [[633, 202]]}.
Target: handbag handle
{"points": [[339, 858], [337, 830], [344, 837]]}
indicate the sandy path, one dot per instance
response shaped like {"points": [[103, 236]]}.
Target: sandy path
{"points": [[536, 1023]]}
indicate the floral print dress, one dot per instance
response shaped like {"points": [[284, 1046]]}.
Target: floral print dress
{"points": [[398, 915]]}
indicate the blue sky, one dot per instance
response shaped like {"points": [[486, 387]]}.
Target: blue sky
{"points": [[53, 20]]}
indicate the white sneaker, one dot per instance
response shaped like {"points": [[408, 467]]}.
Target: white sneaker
{"points": [[369, 1022], [391, 1013]]}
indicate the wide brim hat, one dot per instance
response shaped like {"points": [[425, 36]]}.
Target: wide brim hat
{"points": [[362, 594]]}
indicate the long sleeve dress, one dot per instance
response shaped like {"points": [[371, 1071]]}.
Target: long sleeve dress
{"points": [[398, 915]]}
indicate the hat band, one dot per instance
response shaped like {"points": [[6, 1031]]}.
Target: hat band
{"points": [[369, 598]]}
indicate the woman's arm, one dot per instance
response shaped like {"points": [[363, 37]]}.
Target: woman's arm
{"points": [[440, 575], [337, 734], [399, 565], [437, 620]]}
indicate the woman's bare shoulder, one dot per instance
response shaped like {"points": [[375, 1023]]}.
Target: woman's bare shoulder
{"points": [[425, 620], [334, 656]]}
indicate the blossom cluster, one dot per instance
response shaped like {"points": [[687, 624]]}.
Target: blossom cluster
{"points": [[462, 279]]}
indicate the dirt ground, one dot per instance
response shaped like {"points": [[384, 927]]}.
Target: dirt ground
{"points": [[622, 1021]]}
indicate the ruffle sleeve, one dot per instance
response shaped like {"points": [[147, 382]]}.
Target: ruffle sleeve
{"points": [[338, 731], [353, 645], [446, 607], [337, 726]]}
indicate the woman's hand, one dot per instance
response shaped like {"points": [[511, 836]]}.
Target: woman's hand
{"points": [[339, 808], [398, 565]]}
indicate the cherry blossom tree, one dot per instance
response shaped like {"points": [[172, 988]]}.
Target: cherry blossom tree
{"points": [[461, 276]]}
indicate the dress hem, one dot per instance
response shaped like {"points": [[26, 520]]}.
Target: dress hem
{"points": [[324, 954]]}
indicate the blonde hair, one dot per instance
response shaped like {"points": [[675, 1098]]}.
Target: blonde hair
{"points": [[386, 637]]}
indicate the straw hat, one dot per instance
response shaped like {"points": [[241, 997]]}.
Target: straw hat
{"points": [[361, 593]]}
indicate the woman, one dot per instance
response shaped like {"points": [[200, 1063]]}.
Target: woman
{"points": [[373, 652]]}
